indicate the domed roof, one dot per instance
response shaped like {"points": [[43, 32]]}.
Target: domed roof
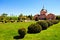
{"points": [[51, 16], [44, 10]]}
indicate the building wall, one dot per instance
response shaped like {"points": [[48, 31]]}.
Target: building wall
{"points": [[43, 15]]}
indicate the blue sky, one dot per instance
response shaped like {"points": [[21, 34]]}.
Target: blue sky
{"points": [[27, 7]]}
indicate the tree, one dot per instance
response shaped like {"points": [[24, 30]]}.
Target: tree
{"points": [[30, 16], [20, 17], [57, 17], [4, 14], [36, 19]]}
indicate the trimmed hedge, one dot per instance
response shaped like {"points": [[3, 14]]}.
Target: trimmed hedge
{"points": [[43, 24], [12, 21], [2, 21], [34, 28], [49, 23], [18, 21], [6, 21], [54, 21], [22, 32]]}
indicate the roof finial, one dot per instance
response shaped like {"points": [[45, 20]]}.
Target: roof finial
{"points": [[43, 6]]}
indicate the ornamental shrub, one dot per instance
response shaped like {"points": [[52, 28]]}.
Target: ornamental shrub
{"points": [[22, 32], [54, 21], [43, 24], [49, 23], [34, 28]]}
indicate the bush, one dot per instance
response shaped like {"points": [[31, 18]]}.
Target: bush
{"points": [[18, 21], [43, 24], [12, 21], [57, 17], [2, 21], [22, 32], [34, 28], [6, 21], [36, 19], [54, 21], [49, 23], [21, 21]]}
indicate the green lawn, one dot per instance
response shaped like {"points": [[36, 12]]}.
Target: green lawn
{"points": [[8, 30]]}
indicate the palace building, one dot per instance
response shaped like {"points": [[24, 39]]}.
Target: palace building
{"points": [[44, 15]]}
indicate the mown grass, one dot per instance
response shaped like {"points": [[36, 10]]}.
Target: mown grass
{"points": [[9, 30], [52, 33]]}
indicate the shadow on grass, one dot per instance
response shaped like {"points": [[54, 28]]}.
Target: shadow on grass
{"points": [[32, 32], [18, 37]]}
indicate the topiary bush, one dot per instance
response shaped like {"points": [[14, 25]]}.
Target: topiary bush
{"points": [[6, 21], [2, 21], [54, 21], [43, 24], [12, 21], [18, 21], [34, 28], [36, 19], [49, 23], [22, 32]]}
